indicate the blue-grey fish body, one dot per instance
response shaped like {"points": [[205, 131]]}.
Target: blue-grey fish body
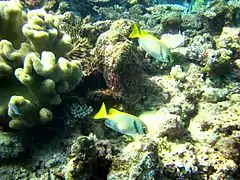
{"points": [[121, 122], [15, 109], [129, 125]]}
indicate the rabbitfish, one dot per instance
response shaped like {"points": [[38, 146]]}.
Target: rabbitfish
{"points": [[121, 122], [152, 45]]}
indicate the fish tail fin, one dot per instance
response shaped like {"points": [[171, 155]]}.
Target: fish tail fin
{"points": [[102, 113], [136, 32]]}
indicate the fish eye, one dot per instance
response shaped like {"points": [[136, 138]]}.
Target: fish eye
{"points": [[169, 58], [145, 130]]}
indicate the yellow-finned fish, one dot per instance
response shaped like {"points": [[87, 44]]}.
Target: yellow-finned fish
{"points": [[152, 45], [121, 122]]}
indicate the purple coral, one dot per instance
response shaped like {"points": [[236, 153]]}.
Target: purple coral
{"points": [[113, 80]]}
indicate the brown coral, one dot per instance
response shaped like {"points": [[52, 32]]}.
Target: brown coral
{"points": [[32, 3]]}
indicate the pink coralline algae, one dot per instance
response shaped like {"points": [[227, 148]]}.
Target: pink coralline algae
{"points": [[113, 81]]}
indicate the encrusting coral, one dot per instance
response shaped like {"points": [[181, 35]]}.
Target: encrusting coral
{"points": [[33, 70], [117, 56]]}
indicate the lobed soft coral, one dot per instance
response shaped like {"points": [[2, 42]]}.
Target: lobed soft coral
{"points": [[33, 70]]}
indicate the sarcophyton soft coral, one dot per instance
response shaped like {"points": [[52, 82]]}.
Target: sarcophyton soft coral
{"points": [[33, 71]]}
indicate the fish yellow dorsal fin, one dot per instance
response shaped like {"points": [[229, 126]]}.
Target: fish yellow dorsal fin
{"points": [[114, 111], [102, 113], [136, 32], [145, 33]]}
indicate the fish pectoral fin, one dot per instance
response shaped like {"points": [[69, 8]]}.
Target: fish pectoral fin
{"points": [[114, 126], [123, 126]]}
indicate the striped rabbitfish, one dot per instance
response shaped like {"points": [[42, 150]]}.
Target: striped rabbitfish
{"points": [[152, 45], [121, 122]]}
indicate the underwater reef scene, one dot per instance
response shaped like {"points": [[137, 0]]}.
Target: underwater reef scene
{"points": [[120, 90]]}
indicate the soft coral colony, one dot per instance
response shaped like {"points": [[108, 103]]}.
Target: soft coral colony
{"points": [[33, 70]]}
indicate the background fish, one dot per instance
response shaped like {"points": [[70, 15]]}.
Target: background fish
{"points": [[14, 108], [173, 40], [152, 45]]}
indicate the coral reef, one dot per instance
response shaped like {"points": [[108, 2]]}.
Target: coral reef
{"points": [[216, 128], [117, 56], [138, 160], [79, 111], [33, 3], [84, 34], [89, 158], [220, 60], [33, 76], [160, 124], [190, 106], [83, 153], [74, 112], [217, 55], [11, 146], [47, 161]]}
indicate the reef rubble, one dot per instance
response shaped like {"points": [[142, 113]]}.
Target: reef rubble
{"points": [[59, 64]]}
